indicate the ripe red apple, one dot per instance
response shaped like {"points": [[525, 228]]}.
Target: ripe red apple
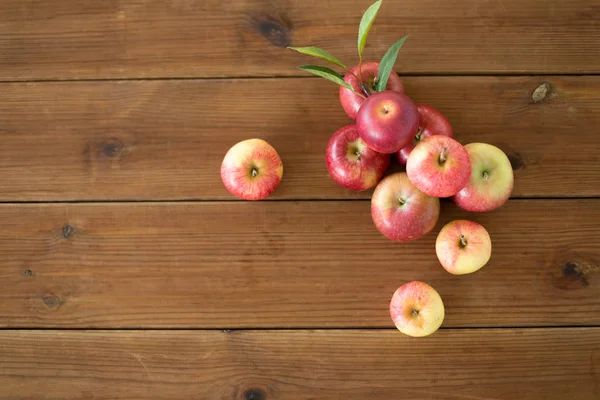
{"points": [[491, 181], [402, 212], [351, 102], [463, 247], [431, 122], [439, 166], [387, 121], [417, 309], [251, 169], [351, 163]]}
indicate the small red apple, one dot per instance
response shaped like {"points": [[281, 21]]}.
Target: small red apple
{"points": [[402, 212], [491, 181], [417, 309], [439, 166], [351, 163], [463, 247], [387, 121], [251, 169], [431, 122], [351, 102]]}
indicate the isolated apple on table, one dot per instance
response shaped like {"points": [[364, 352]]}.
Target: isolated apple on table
{"points": [[431, 122], [439, 166], [402, 212], [351, 101], [351, 163], [251, 169], [417, 309], [463, 247], [387, 121], [491, 180]]}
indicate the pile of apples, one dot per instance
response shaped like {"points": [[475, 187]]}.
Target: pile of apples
{"points": [[405, 206]]}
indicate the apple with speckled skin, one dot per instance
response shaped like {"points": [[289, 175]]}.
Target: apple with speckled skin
{"points": [[252, 169], [351, 163], [400, 211], [351, 101], [491, 180], [439, 166], [387, 121], [417, 309], [463, 247], [431, 122]]}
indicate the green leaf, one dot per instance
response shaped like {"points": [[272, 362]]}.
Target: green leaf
{"points": [[319, 53], [387, 63], [365, 26], [326, 73]]}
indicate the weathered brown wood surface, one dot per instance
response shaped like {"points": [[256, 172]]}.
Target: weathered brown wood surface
{"points": [[527, 364], [72, 39], [110, 111], [285, 264], [156, 140]]}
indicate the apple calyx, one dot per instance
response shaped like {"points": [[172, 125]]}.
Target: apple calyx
{"points": [[415, 313], [401, 201], [254, 172], [463, 242], [443, 156], [485, 175]]}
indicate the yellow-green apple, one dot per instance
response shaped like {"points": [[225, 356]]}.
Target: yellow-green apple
{"points": [[463, 247], [251, 169], [417, 309], [387, 121], [439, 166], [400, 211], [491, 181], [351, 163], [431, 122], [351, 101]]}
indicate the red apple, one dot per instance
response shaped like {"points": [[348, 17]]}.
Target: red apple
{"points": [[417, 309], [439, 166], [351, 163], [431, 122], [351, 102], [402, 212], [491, 181], [251, 169], [387, 121], [463, 247]]}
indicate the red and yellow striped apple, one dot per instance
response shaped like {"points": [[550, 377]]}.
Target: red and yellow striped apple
{"points": [[463, 247], [251, 169], [417, 309]]}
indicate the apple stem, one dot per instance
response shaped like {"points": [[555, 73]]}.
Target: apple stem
{"points": [[485, 175], [443, 157], [362, 87], [415, 313], [254, 172], [401, 201], [418, 135], [463, 241]]}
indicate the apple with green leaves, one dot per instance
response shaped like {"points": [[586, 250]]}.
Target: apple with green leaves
{"points": [[439, 166], [417, 309], [490, 182], [400, 211], [431, 122], [463, 247], [351, 101], [251, 169], [351, 163]]}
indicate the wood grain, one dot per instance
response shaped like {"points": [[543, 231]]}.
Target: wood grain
{"points": [[285, 264], [141, 140], [69, 39], [498, 364]]}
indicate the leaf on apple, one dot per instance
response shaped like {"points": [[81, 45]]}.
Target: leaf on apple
{"points": [[319, 53], [365, 26], [387, 63], [326, 73]]}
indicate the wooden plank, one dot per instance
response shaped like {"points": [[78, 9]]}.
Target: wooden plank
{"points": [[284, 264], [166, 139], [69, 39], [528, 364]]}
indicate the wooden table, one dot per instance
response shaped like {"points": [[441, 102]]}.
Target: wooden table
{"points": [[129, 272]]}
